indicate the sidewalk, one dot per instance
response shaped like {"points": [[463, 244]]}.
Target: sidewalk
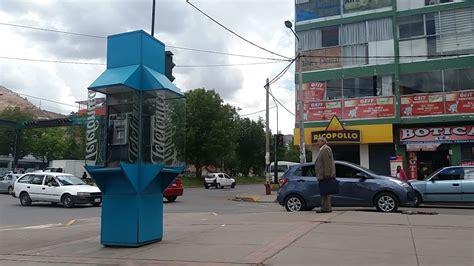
{"points": [[274, 238], [256, 197]]}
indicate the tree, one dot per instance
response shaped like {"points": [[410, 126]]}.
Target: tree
{"points": [[8, 134], [251, 146], [210, 129]]}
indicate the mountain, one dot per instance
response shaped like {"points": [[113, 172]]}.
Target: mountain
{"points": [[10, 98]]}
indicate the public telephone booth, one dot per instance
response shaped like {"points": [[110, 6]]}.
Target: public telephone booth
{"points": [[138, 151]]}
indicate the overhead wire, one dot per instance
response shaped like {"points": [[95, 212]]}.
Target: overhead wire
{"points": [[231, 31], [275, 79], [256, 112], [44, 99]]}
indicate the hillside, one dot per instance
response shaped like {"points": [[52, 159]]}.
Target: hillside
{"points": [[10, 98]]}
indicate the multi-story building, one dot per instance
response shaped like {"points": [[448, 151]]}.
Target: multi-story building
{"points": [[398, 73]]}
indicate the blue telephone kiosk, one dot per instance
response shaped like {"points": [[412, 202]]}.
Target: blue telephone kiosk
{"points": [[136, 151]]}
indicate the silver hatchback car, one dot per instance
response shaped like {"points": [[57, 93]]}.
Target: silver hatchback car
{"points": [[7, 182]]}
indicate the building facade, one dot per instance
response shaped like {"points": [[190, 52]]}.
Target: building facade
{"points": [[401, 72]]}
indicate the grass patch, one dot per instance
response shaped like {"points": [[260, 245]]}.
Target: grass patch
{"points": [[191, 181]]}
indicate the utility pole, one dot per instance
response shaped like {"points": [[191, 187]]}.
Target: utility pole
{"points": [[275, 164], [153, 19], [267, 133]]}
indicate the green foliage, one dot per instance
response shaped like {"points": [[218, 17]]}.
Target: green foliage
{"points": [[251, 146], [8, 134]]}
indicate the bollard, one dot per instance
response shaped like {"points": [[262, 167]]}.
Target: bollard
{"points": [[268, 190]]}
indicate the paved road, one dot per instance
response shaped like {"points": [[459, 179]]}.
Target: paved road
{"points": [[12, 214], [193, 200]]}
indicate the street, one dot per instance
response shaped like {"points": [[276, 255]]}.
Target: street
{"points": [[194, 200]]}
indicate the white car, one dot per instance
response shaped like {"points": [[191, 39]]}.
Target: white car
{"points": [[7, 182], [55, 188], [218, 180]]}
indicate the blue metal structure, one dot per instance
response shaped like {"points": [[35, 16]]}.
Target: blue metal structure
{"points": [[132, 184]]}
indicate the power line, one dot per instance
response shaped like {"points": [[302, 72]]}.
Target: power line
{"points": [[43, 99], [103, 64], [229, 65], [275, 79], [257, 112], [222, 53], [51, 30], [103, 37], [52, 61], [229, 30]]}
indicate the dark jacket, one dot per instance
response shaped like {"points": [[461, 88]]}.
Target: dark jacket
{"points": [[324, 165]]}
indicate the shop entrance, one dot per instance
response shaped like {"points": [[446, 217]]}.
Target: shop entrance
{"points": [[349, 153], [430, 161]]}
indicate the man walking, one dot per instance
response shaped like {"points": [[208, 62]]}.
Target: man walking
{"points": [[325, 169]]}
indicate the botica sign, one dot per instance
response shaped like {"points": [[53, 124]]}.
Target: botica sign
{"points": [[336, 133]]}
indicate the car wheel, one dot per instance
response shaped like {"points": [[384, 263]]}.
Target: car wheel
{"points": [[10, 190], [418, 199], [206, 186], [233, 185], [386, 202], [171, 198], [294, 203], [218, 185], [25, 199], [67, 201]]}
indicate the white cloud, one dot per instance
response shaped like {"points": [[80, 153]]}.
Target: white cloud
{"points": [[177, 24]]}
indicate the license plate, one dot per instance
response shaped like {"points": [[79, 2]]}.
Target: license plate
{"points": [[97, 200]]}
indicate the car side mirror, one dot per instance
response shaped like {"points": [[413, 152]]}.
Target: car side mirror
{"points": [[362, 176]]}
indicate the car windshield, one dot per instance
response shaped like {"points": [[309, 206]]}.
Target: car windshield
{"points": [[69, 180], [432, 174]]}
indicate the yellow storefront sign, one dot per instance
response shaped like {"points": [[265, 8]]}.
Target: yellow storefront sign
{"points": [[369, 134]]}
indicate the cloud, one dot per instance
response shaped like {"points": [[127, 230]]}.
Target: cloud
{"points": [[177, 24]]}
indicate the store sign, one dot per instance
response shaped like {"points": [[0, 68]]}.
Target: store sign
{"points": [[362, 5], [422, 104], [369, 107], [335, 132], [412, 166], [314, 9], [423, 147], [450, 134], [314, 91], [324, 110], [321, 59], [460, 102]]}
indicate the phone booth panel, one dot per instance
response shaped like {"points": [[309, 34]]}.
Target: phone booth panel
{"points": [[139, 149]]}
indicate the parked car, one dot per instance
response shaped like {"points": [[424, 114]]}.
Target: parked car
{"points": [[174, 190], [218, 180], [453, 184], [55, 188], [358, 187], [7, 182]]}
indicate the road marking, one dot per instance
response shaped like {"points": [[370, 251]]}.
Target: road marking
{"points": [[71, 222], [42, 226]]}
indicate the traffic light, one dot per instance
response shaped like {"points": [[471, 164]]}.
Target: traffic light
{"points": [[169, 65], [279, 139]]}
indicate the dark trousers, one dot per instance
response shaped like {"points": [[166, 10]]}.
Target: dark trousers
{"points": [[326, 203]]}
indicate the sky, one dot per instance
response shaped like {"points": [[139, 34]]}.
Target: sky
{"points": [[177, 24]]}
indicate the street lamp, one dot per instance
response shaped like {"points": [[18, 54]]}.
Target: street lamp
{"points": [[289, 25]]}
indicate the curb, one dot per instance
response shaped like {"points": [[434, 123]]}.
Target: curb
{"points": [[246, 198]]}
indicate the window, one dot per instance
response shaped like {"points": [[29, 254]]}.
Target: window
{"points": [[310, 39], [298, 172], [411, 26], [309, 171], [435, 2], [26, 179], [450, 174], [344, 171], [334, 89], [330, 36], [359, 87], [37, 180], [455, 31], [49, 180], [380, 29], [468, 173], [355, 55], [354, 33], [67, 180], [422, 82], [459, 79]]}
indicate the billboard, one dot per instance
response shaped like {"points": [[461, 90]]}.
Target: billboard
{"points": [[323, 110], [441, 134], [321, 59], [314, 9], [369, 107], [460, 102], [422, 104], [364, 5]]}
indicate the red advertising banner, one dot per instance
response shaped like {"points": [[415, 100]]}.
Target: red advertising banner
{"points": [[314, 91], [372, 107], [441, 134], [422, 104], [412, 166], [323, 110], [460, 102]]}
